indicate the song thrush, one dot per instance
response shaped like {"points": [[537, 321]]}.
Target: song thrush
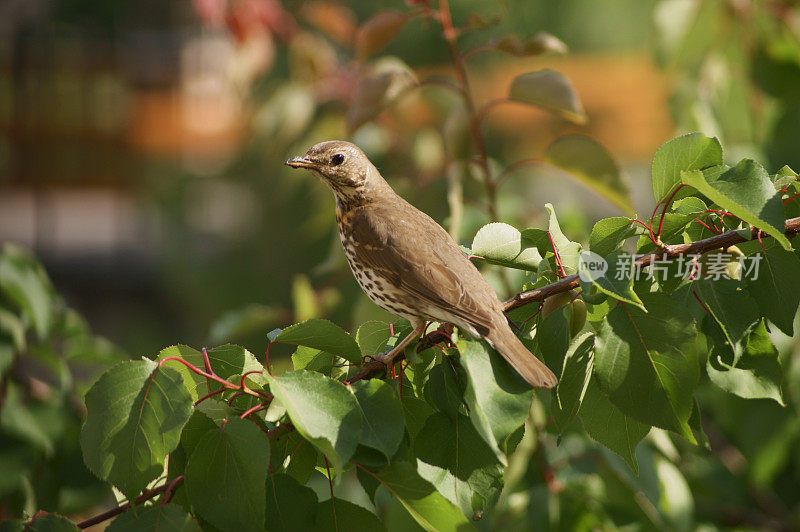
{"points": [[407, 263]]}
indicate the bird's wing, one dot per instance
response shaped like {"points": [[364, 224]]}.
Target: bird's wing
{"points": [[415, 254]]}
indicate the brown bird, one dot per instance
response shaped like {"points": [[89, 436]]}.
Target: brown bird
{"points": [[407, 263]]}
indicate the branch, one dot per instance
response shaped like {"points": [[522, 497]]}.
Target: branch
{"points": [[146, 496], [731, 238]]}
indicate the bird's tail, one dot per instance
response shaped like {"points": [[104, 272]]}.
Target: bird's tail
{"points": [[523, 361]]}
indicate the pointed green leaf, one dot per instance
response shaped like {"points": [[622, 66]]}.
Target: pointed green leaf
{"points": [[756, 374], [608, 425], [226, 361], [135, 413], [155, 518], [443, 389], [322, 335], [688, 152], [383, 425], [226, 475], [731, 308], [290, 506], [498, 399], [776, 287], [608, 233], [549, 90], [589, 163], [647, 363], [501, 244], [372, 337], [323, 410], [453, 457], [428, 508], [746, 191], [575, 375]]}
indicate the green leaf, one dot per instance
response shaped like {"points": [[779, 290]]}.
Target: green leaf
{"points": [[608, 425], [194, 430], [135, 413], [323, 411], [501, 244], [322, 335], [295, 456], [226, 475], [155, 518], [382, 414], [453, 457], [590, 163], [341, 515], [756, 374], [552, 338], [25, 283], [568, 251], [498, 399], [688, 152], [608, 233], [372, 337], [746, 191], [575, 376], [443, 389], [385, 81], [226, 360], [290, 506], [731, 308], [47, 522], [616, 281], [776, 288], [416, 412], [549, 90], [429, 509], [647, 362]]}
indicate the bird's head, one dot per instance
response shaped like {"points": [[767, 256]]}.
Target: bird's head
{"points": [[341, 165]]}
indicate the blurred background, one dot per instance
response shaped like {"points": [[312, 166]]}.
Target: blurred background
{"points": [[142, 144]]}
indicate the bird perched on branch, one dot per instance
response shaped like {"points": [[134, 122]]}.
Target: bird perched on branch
{"points": [[407, 263]]}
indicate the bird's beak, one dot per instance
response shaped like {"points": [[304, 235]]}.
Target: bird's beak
{"points": [[301, 161]]}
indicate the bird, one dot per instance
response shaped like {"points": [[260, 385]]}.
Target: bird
{"points": [[408, 264]]}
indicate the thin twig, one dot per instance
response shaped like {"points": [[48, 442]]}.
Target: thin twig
{"points": [[146, 496], [725, 240]]}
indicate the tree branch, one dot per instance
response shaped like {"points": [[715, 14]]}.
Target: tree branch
{"points": [[146, 496], [791, 229]]}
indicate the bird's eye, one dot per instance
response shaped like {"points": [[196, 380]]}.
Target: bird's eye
{"points": [[337, 159]]}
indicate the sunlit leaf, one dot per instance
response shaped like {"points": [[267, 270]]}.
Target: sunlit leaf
{"points": [[689, 152], [136, 411], [333, 425], [323, 335], [502, 244], [747, 192]]}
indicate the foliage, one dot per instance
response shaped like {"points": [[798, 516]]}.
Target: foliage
{"points": [[48, 358], [219, 439]]}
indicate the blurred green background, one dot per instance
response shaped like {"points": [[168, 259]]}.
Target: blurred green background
{"points": [[142, 148]]}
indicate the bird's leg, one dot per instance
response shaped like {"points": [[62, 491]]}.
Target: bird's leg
{"points": [[388, 358]]}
